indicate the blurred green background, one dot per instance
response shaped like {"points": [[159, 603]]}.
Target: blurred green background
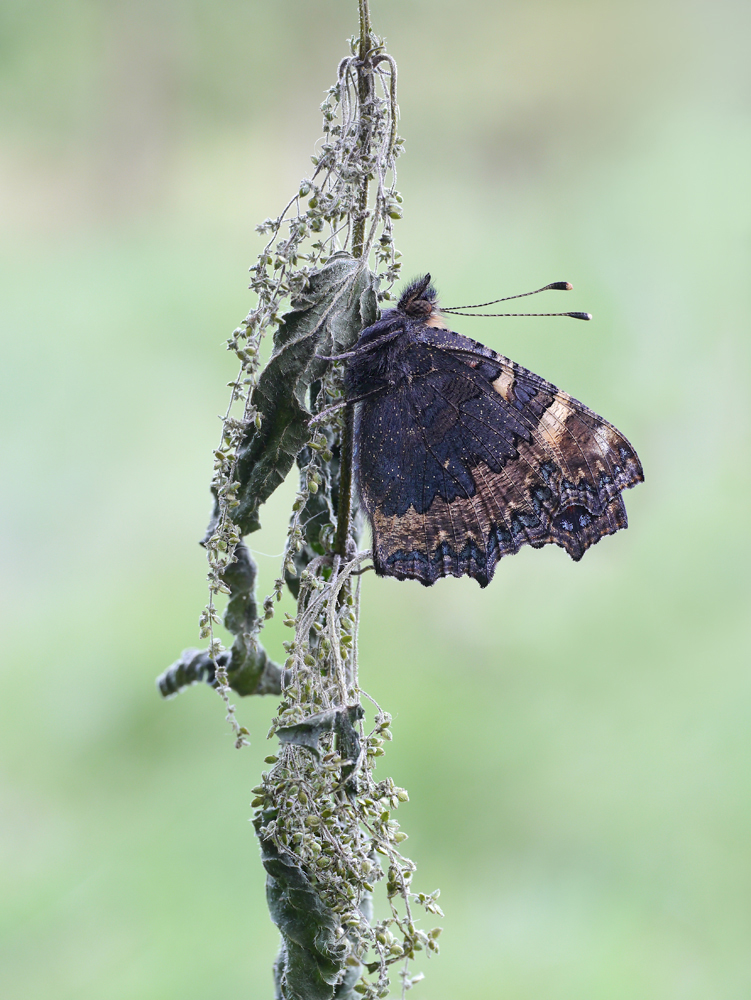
{"points": [[575, 738]]}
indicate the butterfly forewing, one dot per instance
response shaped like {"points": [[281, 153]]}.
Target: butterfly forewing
{"points": [[465, 456]]}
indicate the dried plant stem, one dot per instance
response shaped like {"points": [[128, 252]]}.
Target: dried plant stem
{"points": [[365, 91], [324, 823]]}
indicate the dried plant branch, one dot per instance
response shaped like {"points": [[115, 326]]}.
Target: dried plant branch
{"points": [[323, 821]]}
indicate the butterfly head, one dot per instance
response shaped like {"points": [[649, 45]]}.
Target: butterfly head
{"points": [[419, 301]]}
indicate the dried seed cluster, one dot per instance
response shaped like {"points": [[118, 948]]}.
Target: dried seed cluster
{"points": [[323, 807]]}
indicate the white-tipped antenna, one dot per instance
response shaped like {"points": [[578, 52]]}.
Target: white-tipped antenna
{"points": [[562, 286]]}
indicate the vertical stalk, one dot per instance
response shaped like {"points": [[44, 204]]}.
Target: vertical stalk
{"points": [[365, 87], [345, 482]]}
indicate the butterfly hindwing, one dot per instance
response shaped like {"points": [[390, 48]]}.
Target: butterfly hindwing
{"points": [[421, 449]]}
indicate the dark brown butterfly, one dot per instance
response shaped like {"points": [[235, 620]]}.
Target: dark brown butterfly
{"points": [[462, 456]]}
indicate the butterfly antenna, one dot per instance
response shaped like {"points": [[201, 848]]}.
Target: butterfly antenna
{"points": [[573, 315], [562, 286]]}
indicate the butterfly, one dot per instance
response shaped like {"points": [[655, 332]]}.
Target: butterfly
{"points": [[462, 456]]}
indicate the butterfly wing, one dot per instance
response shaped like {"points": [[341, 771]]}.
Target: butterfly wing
{"points": [[471, 456]]}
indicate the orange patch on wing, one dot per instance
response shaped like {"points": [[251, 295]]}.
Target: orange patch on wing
{"points": [[552, 426], [503, 384]]}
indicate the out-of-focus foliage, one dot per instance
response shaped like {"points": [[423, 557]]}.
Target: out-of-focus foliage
{"points": [[575, 738]]}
